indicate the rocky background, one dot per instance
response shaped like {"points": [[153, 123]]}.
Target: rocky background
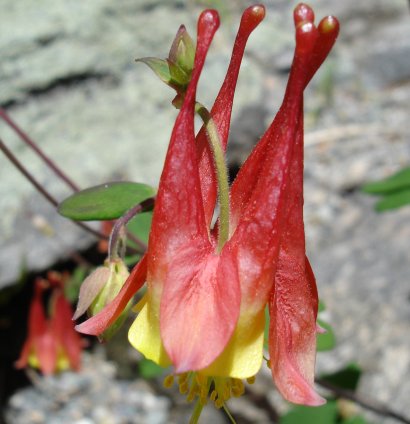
{"points": [[67, 75]]}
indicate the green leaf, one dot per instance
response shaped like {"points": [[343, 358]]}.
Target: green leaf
{"points": [[347, 378], [325, 414], [393, 201], [105, 201], [357, 419], [149, 369], [398, 181], [326, 341], [140, 226], [131, 260]]}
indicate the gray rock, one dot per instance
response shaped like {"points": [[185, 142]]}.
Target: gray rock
{"points": [[91, 396]]}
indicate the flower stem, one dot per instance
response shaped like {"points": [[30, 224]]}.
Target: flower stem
{"points": [[220, 170], [118, 234]]}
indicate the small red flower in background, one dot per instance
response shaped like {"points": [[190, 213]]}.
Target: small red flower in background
{"points": [[52, 344]]}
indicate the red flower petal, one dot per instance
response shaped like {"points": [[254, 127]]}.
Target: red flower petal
{"points": [[259, 191], [199, 306], [63, 329], [243, 186], [46, 351], [179, 214], [293, 304], [101, 321], [222, 109], [292, 333]]}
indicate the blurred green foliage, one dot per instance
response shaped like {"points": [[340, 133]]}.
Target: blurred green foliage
{"points": [[394, 190]]}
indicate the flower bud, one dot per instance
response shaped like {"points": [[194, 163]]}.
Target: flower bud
{"points": [[176, 70], [99, 289]]}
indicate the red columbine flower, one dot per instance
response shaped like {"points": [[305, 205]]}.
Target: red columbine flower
{"points": [[52, 344], [204, 308]]}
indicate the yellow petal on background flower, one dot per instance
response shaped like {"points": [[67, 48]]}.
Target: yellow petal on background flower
{"points": [[144, 336], [242, 357]]}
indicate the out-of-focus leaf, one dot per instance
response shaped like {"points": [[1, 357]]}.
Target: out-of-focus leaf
{"points": [[105, 202], [347, 378], [140, 226], [394, 201], [325, 341], [325, 414], [149, 369], [321, 306], [396, 182], [131, 260]]}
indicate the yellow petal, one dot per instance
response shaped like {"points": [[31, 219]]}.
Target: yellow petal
{"points": [[242, 357], [144, 335]]}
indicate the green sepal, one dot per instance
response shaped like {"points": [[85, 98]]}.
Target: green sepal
{"points": [[176, 70], [159, 66]]}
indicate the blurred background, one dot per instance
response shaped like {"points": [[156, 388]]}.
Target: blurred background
{"points": [[68, 77]]}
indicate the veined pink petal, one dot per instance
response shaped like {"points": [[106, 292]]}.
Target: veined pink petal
{"points": [[222, 109], [199, 306], [292, 334], [101, 321]]}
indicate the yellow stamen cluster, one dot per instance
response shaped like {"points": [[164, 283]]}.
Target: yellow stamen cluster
{"points": [[198, 386]]}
